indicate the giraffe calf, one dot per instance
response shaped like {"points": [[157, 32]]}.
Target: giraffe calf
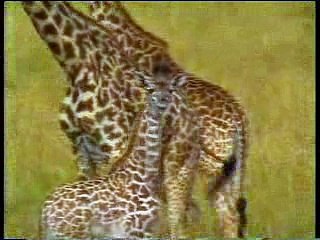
{"points": [[125, 203]]}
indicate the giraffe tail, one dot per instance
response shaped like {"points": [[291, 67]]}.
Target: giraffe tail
{"points": [[239, 175], [233, 174]]}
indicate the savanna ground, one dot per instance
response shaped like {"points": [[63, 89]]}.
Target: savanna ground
{"points": [[263, 53]]}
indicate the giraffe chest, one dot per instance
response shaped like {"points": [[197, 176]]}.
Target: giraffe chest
{"points": [[97, 131]]}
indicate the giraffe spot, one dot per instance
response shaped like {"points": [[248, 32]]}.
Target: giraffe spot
{"points": [[122, 123], [113, 94], [59, 205], [99, 116], [116, 86], [108, 129], [94, 39], [97, 135], [117, 103], [75, 96], [54, 47], [64, 125], [69, 50], [83, 200], [103, 97], [106, 148], [68, 29], [71, 204], [57, 19], [114, 19], [42, 15], [228, 108], [63, 10], [85, 106], [85, 87], [128, 107], [73, 72], [82, 51], [66, 108], [100, 17], [131, 207], [137, 178], [68, 218], [142, 142], [110, 113], [50, 29], [144, 191], [141, 154], [105, 83], [86, 124], [137, 234], [137, 94], [204, 111], [47, 4], [79, 25], [106, 68], [98, 57], [114, 135]]}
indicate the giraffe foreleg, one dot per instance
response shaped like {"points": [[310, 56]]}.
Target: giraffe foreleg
{"points": [[178, 192]]}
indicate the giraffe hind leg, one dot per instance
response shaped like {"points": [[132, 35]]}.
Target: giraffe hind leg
{"points": [[241, 207], [225, 193]]}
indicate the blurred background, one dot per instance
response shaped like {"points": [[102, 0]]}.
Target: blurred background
{"points": [[263, 53]]}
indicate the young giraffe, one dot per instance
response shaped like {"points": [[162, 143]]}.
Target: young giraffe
{"points": [[126, 203], [223, 122]]}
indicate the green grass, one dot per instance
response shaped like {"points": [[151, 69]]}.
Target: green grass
{"points": [[263, 53]]}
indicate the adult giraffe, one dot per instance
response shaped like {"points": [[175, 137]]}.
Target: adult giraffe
{"points": [[223, 122], [103, 99]]}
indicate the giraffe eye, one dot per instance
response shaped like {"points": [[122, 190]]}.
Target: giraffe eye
{"points": [[154, 98]]}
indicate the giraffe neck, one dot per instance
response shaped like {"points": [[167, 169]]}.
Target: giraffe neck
{"points": [[146, 150], [141, 47], [113, 16], [71, 36]]}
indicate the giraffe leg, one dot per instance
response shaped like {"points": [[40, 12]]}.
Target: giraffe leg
{"points": [[177, 199], [225, 194], [193, 214], [179, 195]]}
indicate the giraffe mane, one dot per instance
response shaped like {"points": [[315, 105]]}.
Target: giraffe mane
{"points": [[132, 22]]}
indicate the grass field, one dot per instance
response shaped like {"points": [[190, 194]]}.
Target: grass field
{"points": [[263, 53]]}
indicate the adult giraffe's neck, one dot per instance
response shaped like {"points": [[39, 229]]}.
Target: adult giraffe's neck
{"points": [[141, 47], [115, 17], [70, 35]]}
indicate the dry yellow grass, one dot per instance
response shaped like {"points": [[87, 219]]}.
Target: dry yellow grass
{"points": [[263, 53]]}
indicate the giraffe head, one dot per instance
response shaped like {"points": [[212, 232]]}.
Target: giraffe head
{"points": [[160, 87]]}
